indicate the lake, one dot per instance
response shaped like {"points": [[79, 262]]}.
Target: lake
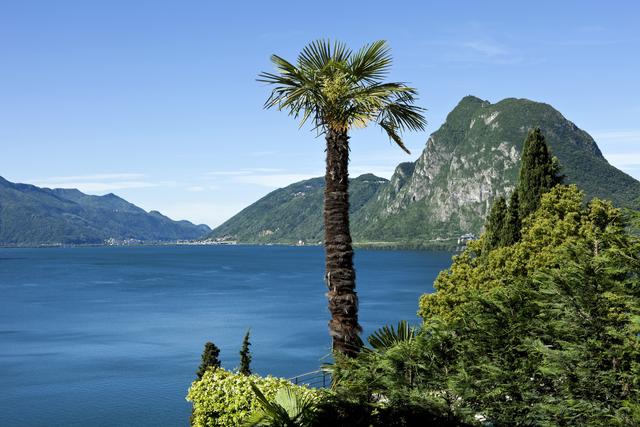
{"points": [[112, 336]]}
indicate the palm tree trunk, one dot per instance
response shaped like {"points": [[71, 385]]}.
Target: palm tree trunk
{"points": [[340, 275]]}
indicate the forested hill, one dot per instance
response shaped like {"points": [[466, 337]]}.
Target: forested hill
{"points": [[468, 162], [294, 213], [31, 215]]}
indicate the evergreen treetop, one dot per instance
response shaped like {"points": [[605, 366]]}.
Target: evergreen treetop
{"points": [[245, 356], [495, 224], [539, 172], [209, 359], [512, 222]]}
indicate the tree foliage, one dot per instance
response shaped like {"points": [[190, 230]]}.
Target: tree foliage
{"points": [[539, 172], [512, 222], [495, 224], [209, 359], [547, 329], [544, 332], [245, 356]]}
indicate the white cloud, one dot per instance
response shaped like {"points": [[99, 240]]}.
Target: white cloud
{"points": [[486, 48], [621, 148], [265, 153], [100, 176], [479, 50], [263, 177], [583, 43], [195, 188], [240, 172], [227, 173], [101, 182], [623, 160], [97, 187], [618, 138], [265, 170]]}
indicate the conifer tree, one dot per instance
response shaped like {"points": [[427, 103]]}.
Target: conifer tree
{"points": [[538, 172], [495, 224], [512, 222], [209, 359], [245, 356]]}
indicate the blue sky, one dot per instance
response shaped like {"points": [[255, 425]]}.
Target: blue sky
{"points": [[157, 101]]}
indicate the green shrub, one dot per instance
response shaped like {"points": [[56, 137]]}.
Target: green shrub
{"points": [[223, 398]]}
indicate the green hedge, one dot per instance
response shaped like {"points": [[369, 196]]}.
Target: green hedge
{"points": [[223, 398]]}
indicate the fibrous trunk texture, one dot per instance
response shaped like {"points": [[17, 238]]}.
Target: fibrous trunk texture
{"points": [[340, 275]]}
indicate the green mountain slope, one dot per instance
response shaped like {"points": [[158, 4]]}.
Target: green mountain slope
{"points": [[293, 213], [30, 215], [473, 158], [468, 162]]}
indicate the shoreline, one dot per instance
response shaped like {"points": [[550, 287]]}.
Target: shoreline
{"points": [[419, 246]]}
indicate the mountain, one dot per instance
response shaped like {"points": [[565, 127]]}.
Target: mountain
{"points": [[468, 162], [31, 215], [293, 213], [472, 159]]}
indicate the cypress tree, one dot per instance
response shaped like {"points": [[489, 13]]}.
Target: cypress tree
{"points": [[245, 356], [495, 224], [512, 222], [209, 359], [538, 172]]}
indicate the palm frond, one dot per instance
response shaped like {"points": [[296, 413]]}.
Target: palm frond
{"points": [[300, 408], [386, 337], [268, 411], [289, 407], [372, 62], [320, 53], [393, 135], [401, 114]]}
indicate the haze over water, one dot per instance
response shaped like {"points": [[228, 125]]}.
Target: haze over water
{"points": [[112, 336]]}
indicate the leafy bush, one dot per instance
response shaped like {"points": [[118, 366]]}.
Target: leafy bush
{"points": [[223, 398]]}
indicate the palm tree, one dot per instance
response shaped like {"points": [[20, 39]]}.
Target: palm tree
{"points": [[339, 90]]}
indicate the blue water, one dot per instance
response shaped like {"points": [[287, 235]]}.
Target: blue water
{"points": [[112, 336]]}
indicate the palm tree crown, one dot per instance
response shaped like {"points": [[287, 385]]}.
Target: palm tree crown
{"points": [[340, 89]]}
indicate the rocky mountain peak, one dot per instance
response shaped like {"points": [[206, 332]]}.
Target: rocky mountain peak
{"points": [[474, 158]]}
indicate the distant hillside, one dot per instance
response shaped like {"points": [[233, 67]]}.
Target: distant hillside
{"points": [[293, 213], [31, 215], [473, 158]]}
